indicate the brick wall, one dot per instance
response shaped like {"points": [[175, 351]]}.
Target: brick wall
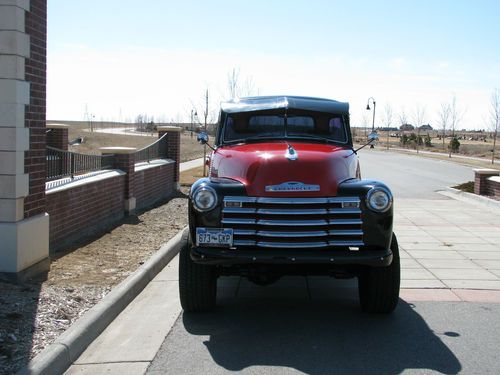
{"points": [[35, 74], [77, 211], [493, 187], [57, 137], [483, 184], [154, 184]]}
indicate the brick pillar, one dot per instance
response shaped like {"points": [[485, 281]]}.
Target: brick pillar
{"points": [[125, 160], [481, 180], [173, 148], [24, 224], [493, 186], [57, 136]]}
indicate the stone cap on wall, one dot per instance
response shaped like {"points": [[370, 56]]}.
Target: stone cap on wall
{"points": [[118, 150], [486, 171], [494, 179], [169, 128], [57, 126]]}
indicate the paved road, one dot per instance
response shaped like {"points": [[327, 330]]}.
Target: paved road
{"points": [[411, 176], [291, 336]]}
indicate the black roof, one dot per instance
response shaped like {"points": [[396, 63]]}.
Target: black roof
{"points": [[259, 103]]}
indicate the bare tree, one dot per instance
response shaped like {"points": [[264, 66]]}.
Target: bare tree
{"points": [[237, 87], [419, 116], [494, 119], [387, 120], [365, 120], [232, 83], [456, 116], [403, 120], [444, 119]]}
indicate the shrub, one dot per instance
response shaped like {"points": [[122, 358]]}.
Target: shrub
{"points": [[454, 145]]}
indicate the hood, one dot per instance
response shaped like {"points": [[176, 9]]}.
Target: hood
{"points": [[285, 169]]}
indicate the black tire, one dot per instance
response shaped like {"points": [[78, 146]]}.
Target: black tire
{"points": [[197, 282], [379, 286]]}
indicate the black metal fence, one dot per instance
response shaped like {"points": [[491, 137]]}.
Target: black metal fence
{"points": [[153, 151], [62, 163]]}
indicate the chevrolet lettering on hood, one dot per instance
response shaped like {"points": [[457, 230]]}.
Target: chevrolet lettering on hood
{"points": [[284, 196], [292, 186]]}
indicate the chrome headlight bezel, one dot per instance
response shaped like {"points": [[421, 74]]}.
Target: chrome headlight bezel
{"points": [[377, 191], [206, 191]]}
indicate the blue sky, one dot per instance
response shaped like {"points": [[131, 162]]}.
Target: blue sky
{"points": [[157, 57]]}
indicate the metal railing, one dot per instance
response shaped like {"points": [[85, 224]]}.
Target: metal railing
{"points": [[62, 163], [155, 150]]}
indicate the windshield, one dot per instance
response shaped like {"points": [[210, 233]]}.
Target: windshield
{"points": [[240, 127]]}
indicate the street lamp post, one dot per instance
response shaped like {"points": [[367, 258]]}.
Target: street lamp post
{"points": [[374, 107]]}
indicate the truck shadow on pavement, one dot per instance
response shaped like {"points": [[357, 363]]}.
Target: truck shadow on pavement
{"points": [[327, 336]]}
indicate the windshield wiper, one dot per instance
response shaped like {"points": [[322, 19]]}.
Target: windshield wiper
{"points": [[310, 137]]}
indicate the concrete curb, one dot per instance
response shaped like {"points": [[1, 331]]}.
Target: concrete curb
{"points": [[478, 200], [57, 358]]}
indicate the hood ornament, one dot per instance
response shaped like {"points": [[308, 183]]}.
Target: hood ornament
{"points": [[291, 154]]}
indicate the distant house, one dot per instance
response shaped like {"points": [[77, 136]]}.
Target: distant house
{"points": [[426, 127], [406, 127]]}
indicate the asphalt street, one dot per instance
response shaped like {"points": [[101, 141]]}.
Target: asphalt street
{"points": [[294, 336], [411, 176]]}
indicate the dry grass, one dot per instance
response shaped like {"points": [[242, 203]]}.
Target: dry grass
{"points": [[189, 177], [93, 141]]}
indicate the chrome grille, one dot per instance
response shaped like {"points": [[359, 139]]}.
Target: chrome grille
{"points": [[294, 223]]}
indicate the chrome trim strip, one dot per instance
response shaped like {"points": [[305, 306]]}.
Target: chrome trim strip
{"points": [[244, 232], [243, 199], [264, 233], [346, 243], [353, 232], [272, 200], [292, 245], [292, 200], [292, 223], [243, 243], [238, 221], [271, 211], [343, 199], [345, 221], [344, 211], [238, 210]]}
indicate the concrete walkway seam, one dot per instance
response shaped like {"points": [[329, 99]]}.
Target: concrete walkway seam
{"points": [[59, 356]]}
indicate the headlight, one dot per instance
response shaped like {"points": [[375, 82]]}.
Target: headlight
{"points": [[204, 199], [379, 199]]}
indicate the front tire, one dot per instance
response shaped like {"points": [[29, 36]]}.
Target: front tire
{"points": [[379, 286], [197, 282]]}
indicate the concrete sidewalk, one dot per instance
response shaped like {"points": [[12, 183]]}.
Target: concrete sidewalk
{"points": [[450, 252]]}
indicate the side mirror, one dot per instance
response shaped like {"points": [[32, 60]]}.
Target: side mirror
{"points": [[202, 138], [373, 137]]}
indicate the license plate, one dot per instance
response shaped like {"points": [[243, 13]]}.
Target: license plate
{"points": [[214, 237]]}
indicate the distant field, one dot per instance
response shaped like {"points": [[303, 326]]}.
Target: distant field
{"points": [[468, 147], [93, 141]]}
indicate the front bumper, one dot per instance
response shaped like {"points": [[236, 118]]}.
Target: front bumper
{"points": [[217, 256]]}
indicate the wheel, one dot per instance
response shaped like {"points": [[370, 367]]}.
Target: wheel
{"points": [[379, 286], [197, 282]]}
